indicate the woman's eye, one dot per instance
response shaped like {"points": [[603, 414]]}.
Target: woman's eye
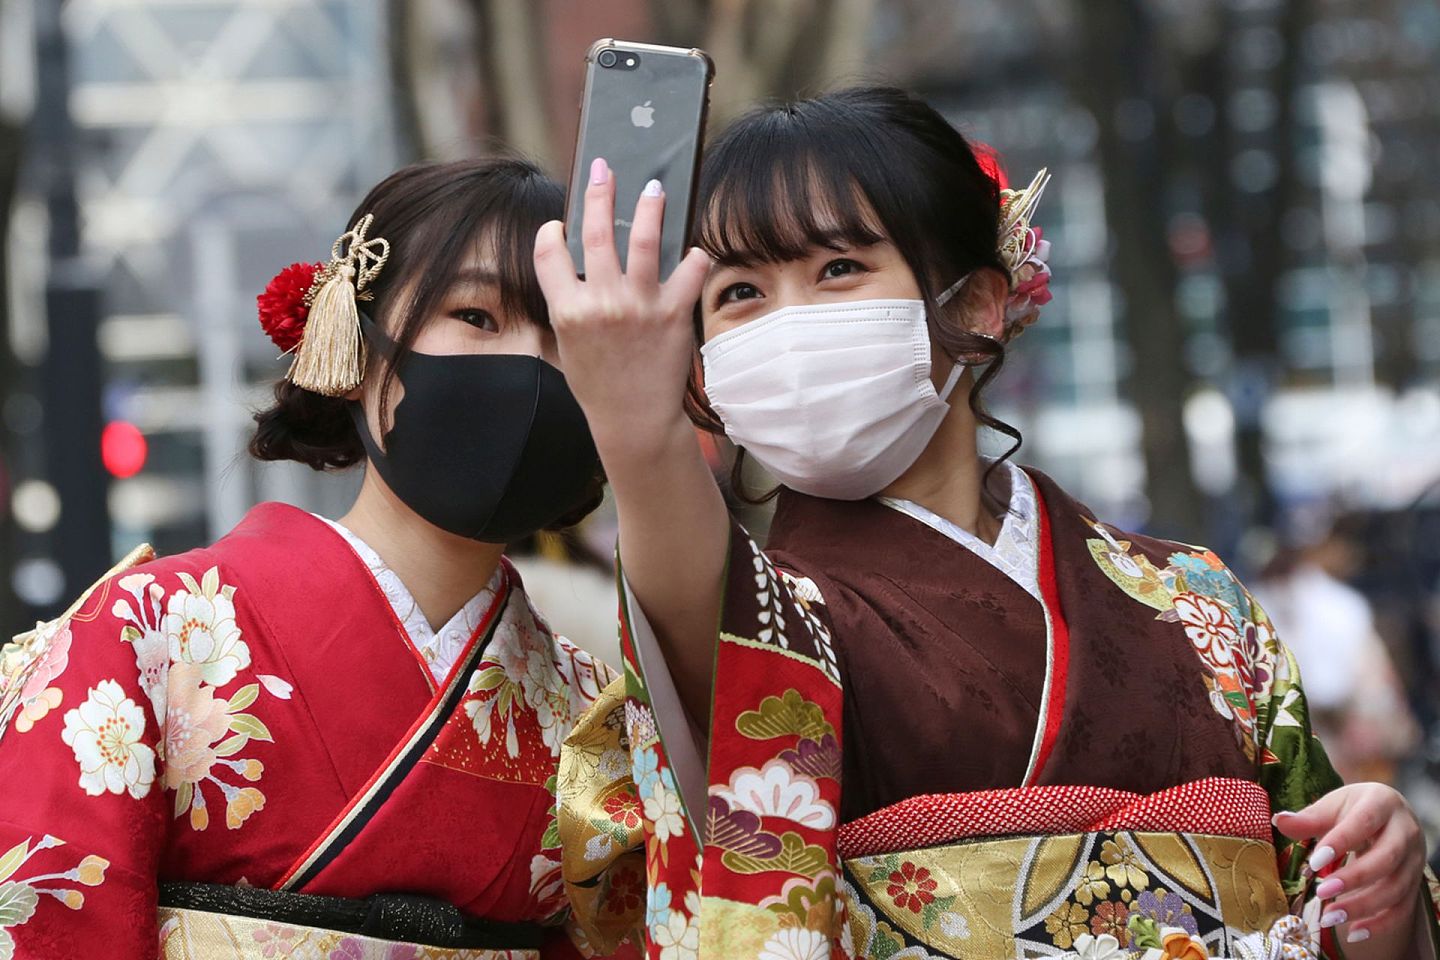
{"points": [[480, 319], [738, 291], [840, 268]]}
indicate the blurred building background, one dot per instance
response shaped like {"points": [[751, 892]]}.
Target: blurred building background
{"points": [[1244, 347]]}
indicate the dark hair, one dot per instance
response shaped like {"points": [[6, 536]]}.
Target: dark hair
{"points": [[851, 168], [433, 215]]}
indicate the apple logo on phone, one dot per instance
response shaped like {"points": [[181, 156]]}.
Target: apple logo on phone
{"points": [[643, 115]]}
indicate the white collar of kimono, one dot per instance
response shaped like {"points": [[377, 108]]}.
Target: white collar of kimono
{"points": [[1016, 551], [438, 648]]}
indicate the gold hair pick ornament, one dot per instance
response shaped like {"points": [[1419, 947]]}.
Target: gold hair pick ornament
{"points": [[331, 357], [1017, 240]]}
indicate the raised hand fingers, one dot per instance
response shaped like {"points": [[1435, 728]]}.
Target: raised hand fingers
{"points": [[642, 263], [553, 266], [597, 232], [679, 293]]}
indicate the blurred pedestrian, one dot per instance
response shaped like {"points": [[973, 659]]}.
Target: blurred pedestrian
{"points": [[1357, 702]]}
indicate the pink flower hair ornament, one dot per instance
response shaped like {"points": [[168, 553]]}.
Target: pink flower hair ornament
{"points": [[1024, 252]]}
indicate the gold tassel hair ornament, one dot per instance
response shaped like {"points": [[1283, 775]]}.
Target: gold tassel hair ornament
{"points": [[1017, 240], [330, 359], [1024, 252]]}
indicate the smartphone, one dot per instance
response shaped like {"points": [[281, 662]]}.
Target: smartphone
{"points": [[643, 110]]}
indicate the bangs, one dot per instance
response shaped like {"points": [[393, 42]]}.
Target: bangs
{"points": [[508, 235], [438, 216], [500, 222], [773, 194]]}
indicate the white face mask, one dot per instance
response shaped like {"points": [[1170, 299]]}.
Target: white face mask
{"points": [[834, 399]]}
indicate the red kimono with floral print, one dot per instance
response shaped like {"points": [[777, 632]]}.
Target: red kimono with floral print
{"points": [[224, 716]]}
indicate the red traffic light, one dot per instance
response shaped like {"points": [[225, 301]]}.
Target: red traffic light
{"points": [[123, 449]]}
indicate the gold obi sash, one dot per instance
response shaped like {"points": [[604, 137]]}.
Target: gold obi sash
{"points": [[200, 935], [1121, 890]]}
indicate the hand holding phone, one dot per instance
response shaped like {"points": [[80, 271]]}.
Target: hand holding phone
{"points": [[643, 112]]}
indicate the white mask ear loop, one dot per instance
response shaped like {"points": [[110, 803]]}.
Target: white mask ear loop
{"points": [[958, 368], [950, 381], [951, 290]]}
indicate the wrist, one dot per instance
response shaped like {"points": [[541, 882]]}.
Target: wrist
{"points": [[643, 442]]}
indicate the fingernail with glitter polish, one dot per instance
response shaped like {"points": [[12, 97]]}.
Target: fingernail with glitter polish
{"points": [[1334, 918], [652, 189], [599, 170], [1329, 888], [1357, 935], [1322, 858]]}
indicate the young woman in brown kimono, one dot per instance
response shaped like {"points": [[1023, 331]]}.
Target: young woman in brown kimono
{"points": [[948, 713]]}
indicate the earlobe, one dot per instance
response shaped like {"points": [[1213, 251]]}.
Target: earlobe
{"points": [[995, 293], [989, 320], [981, 304]]}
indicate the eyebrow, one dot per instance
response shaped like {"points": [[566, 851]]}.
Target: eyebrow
{"points": [[833, 239], [476, 276]]}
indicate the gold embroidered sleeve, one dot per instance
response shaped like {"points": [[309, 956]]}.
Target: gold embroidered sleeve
{"points": [[602, 852]]}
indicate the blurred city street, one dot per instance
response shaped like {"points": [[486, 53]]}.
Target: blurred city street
{"points": [[1243, 349]]}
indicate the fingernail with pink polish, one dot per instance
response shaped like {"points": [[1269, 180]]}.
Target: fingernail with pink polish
{"points": [[599, 170], [1357, 935], [652, 189], [1334, 918], [1322, 858], [1329, 888]]}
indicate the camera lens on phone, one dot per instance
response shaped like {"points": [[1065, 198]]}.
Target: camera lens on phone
{"points": [[607, 58]]}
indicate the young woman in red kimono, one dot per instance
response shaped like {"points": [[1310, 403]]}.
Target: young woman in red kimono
{"points": [[947, 712], [321, 738]]}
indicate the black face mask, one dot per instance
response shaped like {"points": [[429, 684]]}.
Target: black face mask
{"points": [[487, 446]]}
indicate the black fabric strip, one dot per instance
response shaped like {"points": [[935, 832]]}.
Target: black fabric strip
{"points": [[396, 917], [361, 817]]}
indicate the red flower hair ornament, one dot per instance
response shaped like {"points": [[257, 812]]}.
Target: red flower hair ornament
{"points": [[285, 305], [310, 309]]}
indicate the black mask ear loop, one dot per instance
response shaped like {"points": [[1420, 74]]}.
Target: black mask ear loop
{"points": [[378, 339], [376, 336]]}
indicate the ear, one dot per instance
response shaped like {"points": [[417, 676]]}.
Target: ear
{"points": [[979, 306]]}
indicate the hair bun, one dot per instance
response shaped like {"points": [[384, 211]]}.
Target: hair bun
{"points": [[307, 428]]}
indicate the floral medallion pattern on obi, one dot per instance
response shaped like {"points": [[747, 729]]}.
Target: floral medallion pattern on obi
{"points": [[1113, 895]]}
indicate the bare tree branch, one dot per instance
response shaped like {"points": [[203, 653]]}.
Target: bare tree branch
{"points": [[1123, 67], [400, 17], [516, 75]]}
